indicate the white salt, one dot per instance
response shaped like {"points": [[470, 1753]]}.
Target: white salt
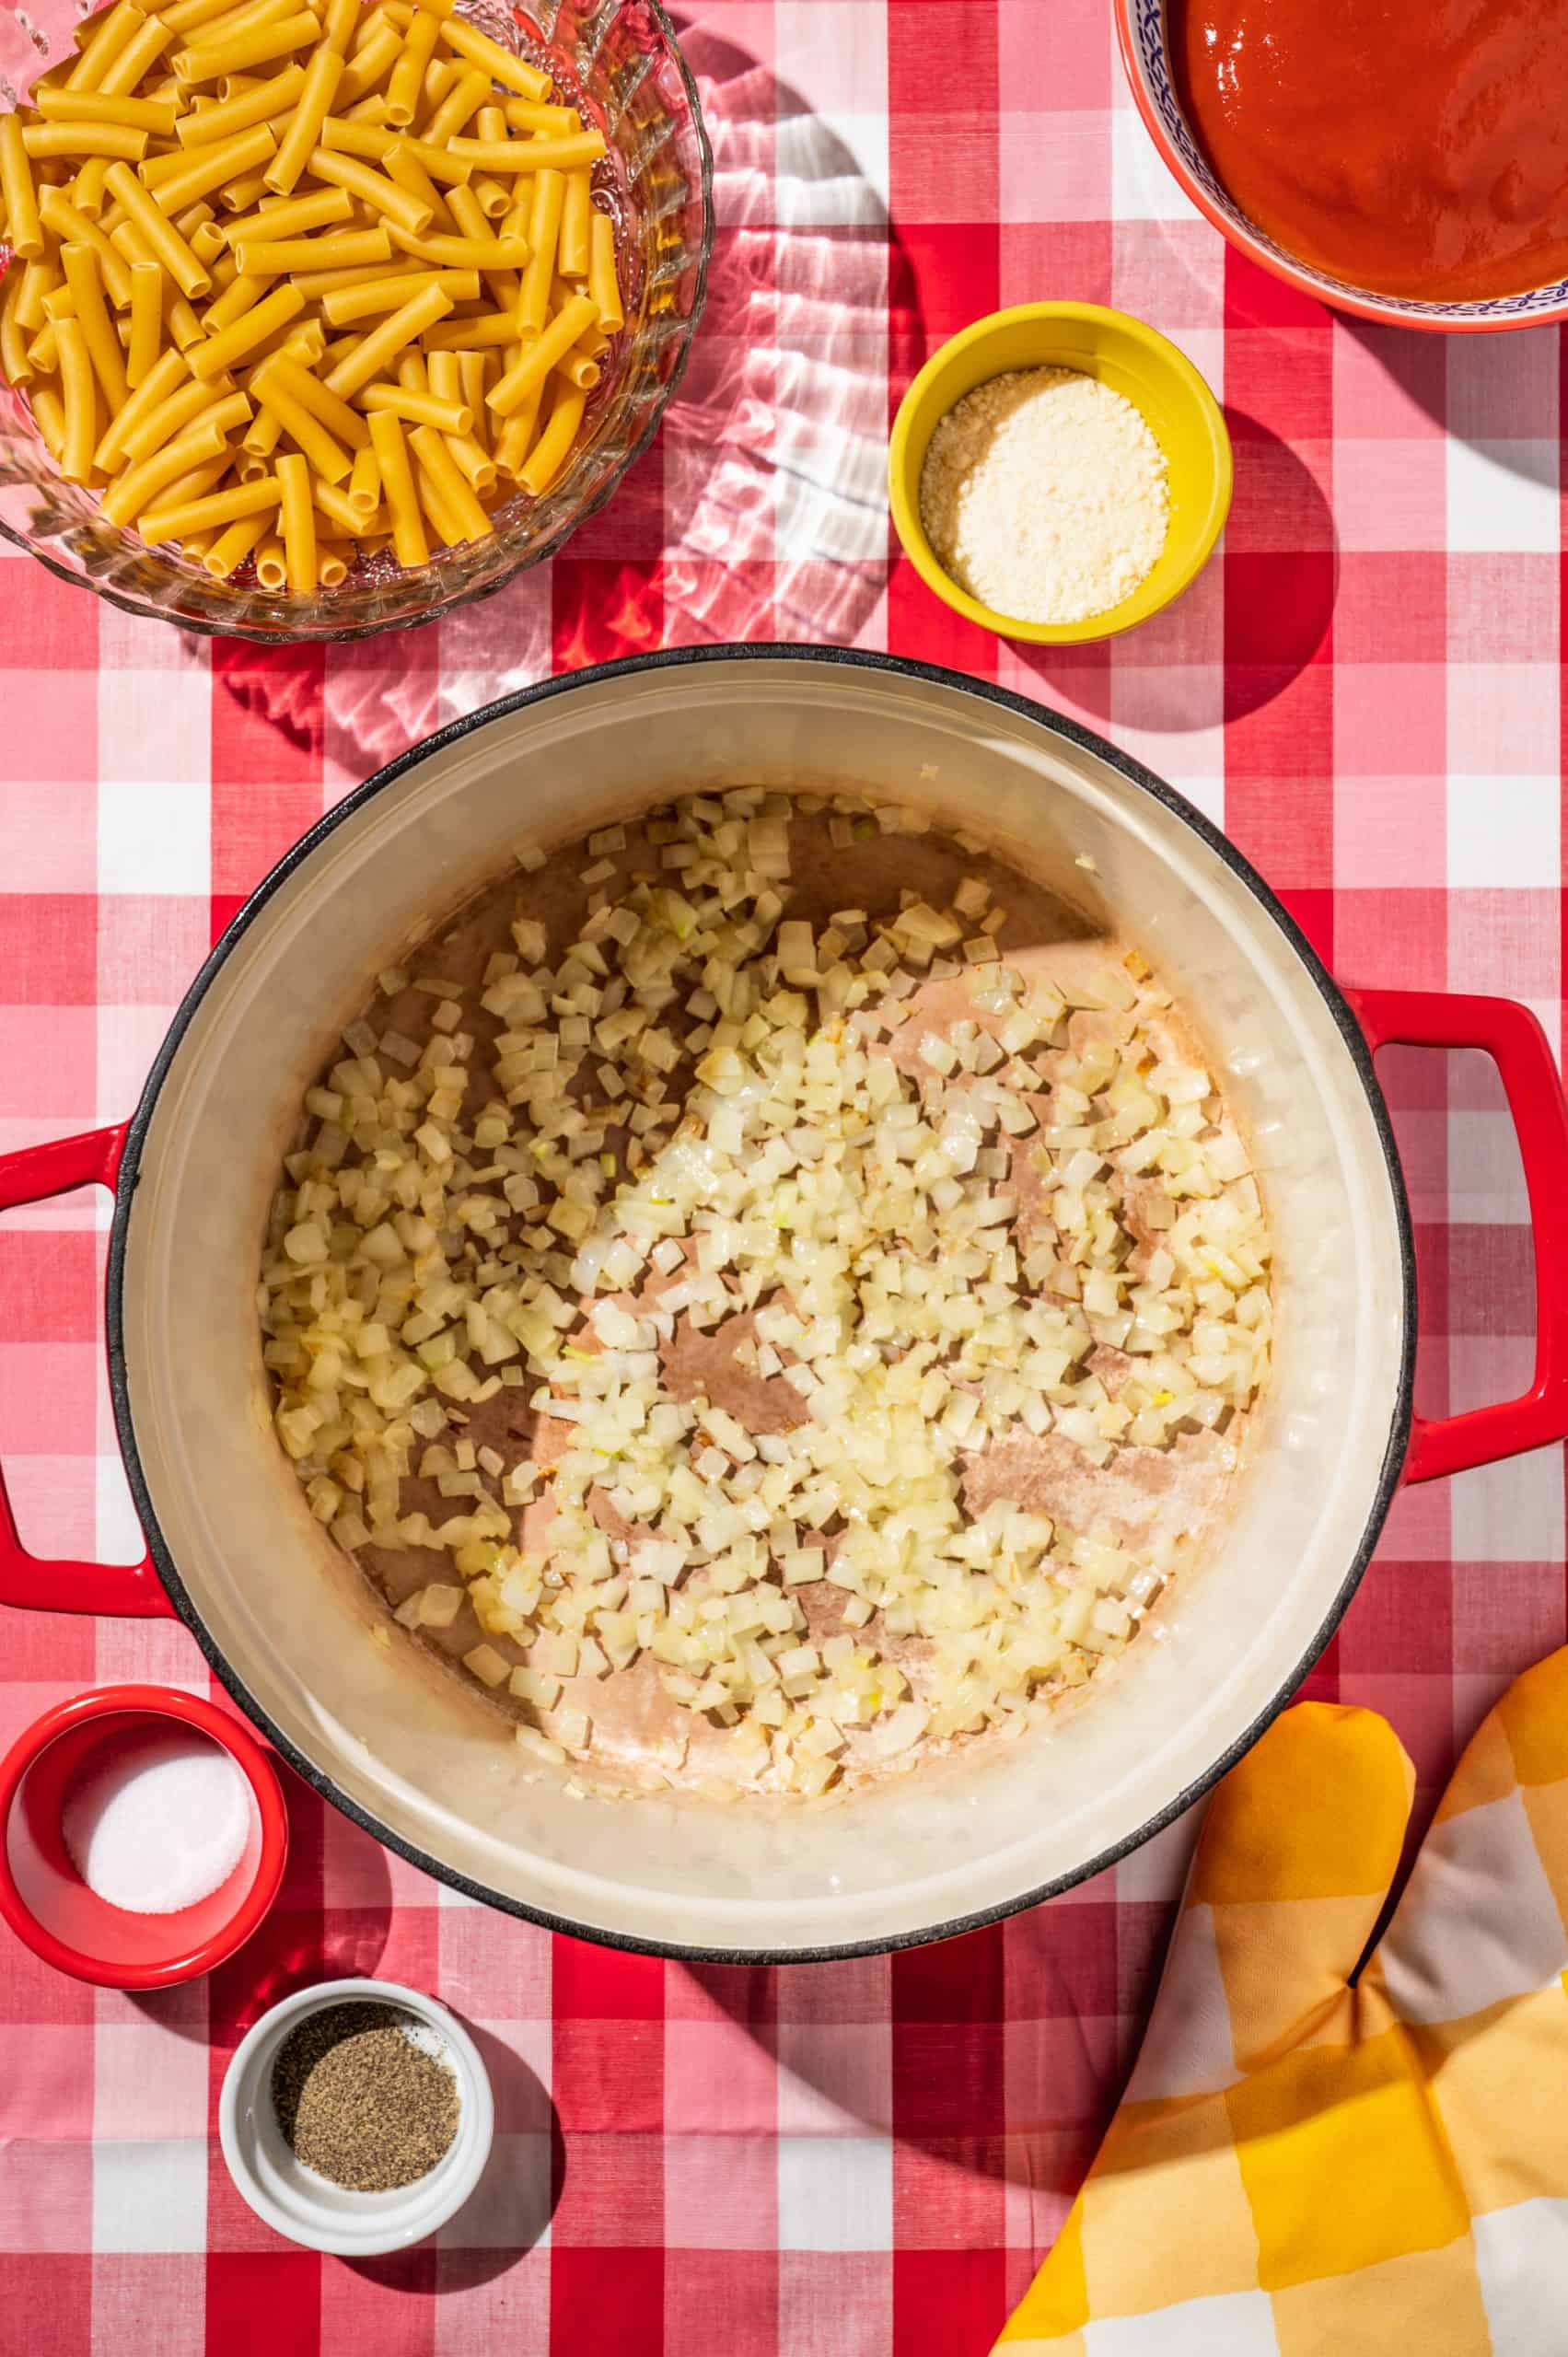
{"points": [[159, 1824]]}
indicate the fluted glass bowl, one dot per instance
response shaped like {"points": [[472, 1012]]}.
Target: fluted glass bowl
{"points": [[619, 61]]}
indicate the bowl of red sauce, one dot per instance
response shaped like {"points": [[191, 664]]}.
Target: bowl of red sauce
{"points": [[1406, 164]]}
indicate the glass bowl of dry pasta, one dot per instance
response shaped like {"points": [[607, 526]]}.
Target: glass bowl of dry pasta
{"points": [[320, 317]]}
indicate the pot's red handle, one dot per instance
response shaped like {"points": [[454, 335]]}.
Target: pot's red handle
{"points": [[31, 1176], [1520, 1048]]}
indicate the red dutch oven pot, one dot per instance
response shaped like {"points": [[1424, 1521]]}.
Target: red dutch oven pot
{"points": [[411, 1753]]}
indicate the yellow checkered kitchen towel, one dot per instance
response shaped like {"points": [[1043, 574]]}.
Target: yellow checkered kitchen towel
{"points": [[1307, 2168]]}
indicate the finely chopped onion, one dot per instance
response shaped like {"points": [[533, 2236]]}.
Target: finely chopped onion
{"points": [[706, 1106]]}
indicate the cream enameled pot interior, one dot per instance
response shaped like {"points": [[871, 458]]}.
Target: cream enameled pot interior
{"points": [[412, 1747]]}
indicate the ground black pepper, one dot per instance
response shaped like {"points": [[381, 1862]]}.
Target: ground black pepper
{"points": [[358, 2101]]}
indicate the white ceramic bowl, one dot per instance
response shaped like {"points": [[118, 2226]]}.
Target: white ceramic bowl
{"points": [[305, 2207]]}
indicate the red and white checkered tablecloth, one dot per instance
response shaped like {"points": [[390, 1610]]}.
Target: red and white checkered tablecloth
{"points": [[1365, 689]]}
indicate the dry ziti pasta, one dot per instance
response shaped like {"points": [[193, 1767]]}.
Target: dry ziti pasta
{"points": [[295, 280]]}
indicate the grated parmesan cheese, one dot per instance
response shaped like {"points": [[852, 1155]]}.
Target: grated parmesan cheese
{"points": [[1045, 496]]}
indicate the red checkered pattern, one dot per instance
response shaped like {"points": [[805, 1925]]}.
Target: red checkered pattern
{"points": [[1365, 689]]}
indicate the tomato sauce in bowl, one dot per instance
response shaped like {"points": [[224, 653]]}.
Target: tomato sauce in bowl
{"points": [[1411, 150]]}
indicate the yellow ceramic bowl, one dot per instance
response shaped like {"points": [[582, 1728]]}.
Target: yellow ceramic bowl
{"points": [[1132, 359]]}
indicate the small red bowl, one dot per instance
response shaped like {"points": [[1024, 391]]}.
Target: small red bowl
{"points": [[45, 1900]]}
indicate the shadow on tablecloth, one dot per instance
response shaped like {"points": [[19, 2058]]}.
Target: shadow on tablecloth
{"points": [[514, 2201], [760, 510], [1496, 393], [1257, 616], [991, 2061]]}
